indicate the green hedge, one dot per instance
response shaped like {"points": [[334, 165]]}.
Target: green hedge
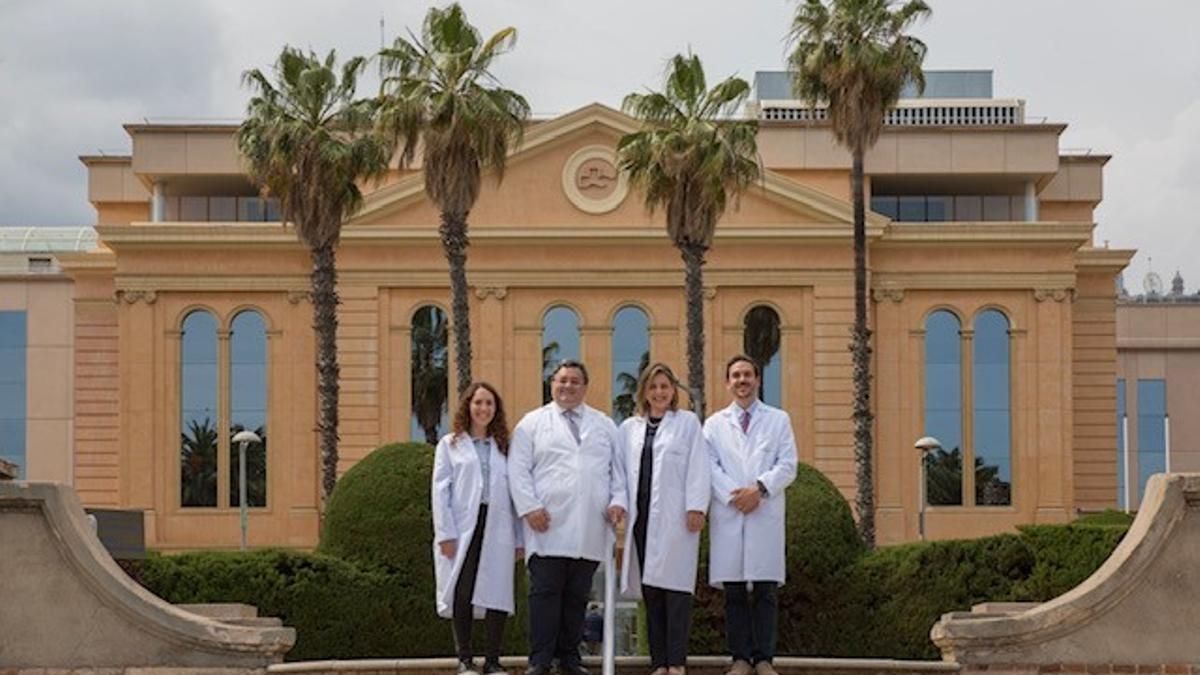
{"points": [[821, 540], [368, 591], [339, 609]]}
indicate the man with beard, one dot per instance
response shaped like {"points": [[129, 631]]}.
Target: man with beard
{"points": [[753, 454]]}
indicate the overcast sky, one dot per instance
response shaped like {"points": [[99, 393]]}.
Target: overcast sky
{"points": [[1125, 76]]}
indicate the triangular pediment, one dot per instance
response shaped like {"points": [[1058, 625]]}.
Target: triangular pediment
{"points": [[537, 191]]}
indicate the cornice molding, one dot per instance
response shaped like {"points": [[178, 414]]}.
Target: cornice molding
{"points": [[1159, 343], [1040, 232], [225, 235], [91, 261], [972, 280], [1101, 259], [234, 282]]}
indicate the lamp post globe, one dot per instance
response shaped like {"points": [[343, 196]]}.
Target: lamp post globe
{"points": [[925, 445]]}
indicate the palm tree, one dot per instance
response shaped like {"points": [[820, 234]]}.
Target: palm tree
{"points": [[549, 359], [307, 141], [429, 386], [625, 404], [198, 450], [854, 57], [688, 158], [438, 90]]}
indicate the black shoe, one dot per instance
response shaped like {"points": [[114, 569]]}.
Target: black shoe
{"points": [[537, 670], [572, 669], [467, 668], [493, 668]]}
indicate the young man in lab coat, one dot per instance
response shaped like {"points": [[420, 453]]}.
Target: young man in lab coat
{"points": [[567, 477], [753, 453]]}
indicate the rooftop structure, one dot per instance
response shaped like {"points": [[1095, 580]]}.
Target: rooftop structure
{"points": [[950, 98]]}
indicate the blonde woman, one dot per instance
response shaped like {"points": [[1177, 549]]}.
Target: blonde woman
{"points": [[668, 474]]}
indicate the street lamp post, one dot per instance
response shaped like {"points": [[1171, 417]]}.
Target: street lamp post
{"points": [[925, 445], [243, 439]]}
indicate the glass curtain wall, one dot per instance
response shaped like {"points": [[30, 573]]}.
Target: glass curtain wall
{"points": [[13, 392], [1151, 431]]}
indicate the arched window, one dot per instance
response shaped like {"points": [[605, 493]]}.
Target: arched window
{"points": [[943, 408], [761, 342], [560, 340], [992, 418], [198, 410], [430, 375], [630, 356], [248, 404]]}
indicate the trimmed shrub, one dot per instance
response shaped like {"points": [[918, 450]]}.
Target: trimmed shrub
{"points": [[1106, 517], [369, 592], [1066, 555], [379, 515], [821, 541], [886, 602], [338, 608]]}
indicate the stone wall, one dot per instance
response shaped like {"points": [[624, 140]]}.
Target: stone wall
{"points": [[68, 607], [1138, 613]]}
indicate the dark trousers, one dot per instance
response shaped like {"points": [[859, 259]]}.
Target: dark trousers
{"points": [[750, 628], [668, 622], [668, 613], [558, 596], [464, 611]]}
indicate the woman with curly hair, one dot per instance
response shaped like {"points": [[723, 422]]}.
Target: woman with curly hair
{"points": [[475, 534]]}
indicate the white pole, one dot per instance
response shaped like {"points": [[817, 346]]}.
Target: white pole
{"points": [[242, 509], [1125, 461], [1167, 440], [610, 601], [244, 438], [921, 505]]}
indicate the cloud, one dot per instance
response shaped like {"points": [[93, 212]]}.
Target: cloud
{"points": [[1152, 196], [72, 73]]}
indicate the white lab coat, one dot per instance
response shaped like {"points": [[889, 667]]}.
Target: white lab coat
{"points": [[749, 547], [575, 482], [456, 492], [679, 483]]}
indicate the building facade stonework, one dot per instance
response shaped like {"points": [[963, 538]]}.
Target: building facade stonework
{"points": [[1001, 331]]}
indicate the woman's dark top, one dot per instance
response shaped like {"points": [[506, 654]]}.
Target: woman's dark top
{"points": [[645, 481]]}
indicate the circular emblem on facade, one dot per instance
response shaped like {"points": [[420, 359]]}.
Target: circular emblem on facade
{"points": [[592, 181]]}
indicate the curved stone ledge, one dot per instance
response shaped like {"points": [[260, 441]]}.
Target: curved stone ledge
{"points": [[1141, 607], [65, 604]]}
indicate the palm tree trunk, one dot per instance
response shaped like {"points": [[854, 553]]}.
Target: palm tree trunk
{"points": [[454, 245], [325, 322], [693, 262], [860, 347]]}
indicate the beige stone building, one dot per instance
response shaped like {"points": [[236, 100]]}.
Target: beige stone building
{"points": [[37, 342], [994, 313], [1158, 384]]}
